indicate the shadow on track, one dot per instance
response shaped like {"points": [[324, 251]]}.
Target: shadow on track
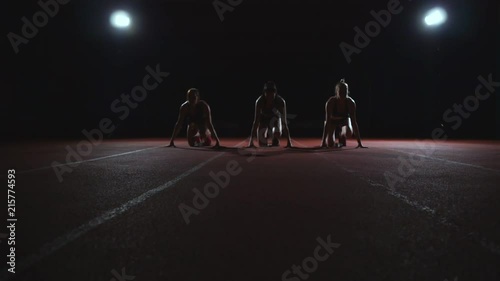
{"points": [[210, 149], [318, 149], [241, 151], [264, 151]]}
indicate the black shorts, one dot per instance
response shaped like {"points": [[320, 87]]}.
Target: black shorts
{"points": [[200, 126], [341, 122]]}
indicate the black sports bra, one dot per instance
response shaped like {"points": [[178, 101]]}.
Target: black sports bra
{"points": [[270, 111], [335, 110], [197, 115]]}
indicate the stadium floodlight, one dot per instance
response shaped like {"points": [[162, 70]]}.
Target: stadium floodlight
{"points": [[435, 17], [120, 19]]}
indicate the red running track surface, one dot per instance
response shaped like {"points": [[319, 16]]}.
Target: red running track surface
{"points": [[399, 210]]}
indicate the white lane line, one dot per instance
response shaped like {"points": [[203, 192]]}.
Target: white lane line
{"points": [[444, 160], [89, 160], [390, 191], [493, 248], [76, 233]]}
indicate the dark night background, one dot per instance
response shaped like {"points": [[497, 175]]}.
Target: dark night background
{"points": [[65, 79]]}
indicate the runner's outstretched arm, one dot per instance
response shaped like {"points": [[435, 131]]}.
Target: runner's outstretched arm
{"points": [[211, 126], [178, 125], [255, 125]]}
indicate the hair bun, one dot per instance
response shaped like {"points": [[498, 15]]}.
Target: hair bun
{"points": [[342, 80]]}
